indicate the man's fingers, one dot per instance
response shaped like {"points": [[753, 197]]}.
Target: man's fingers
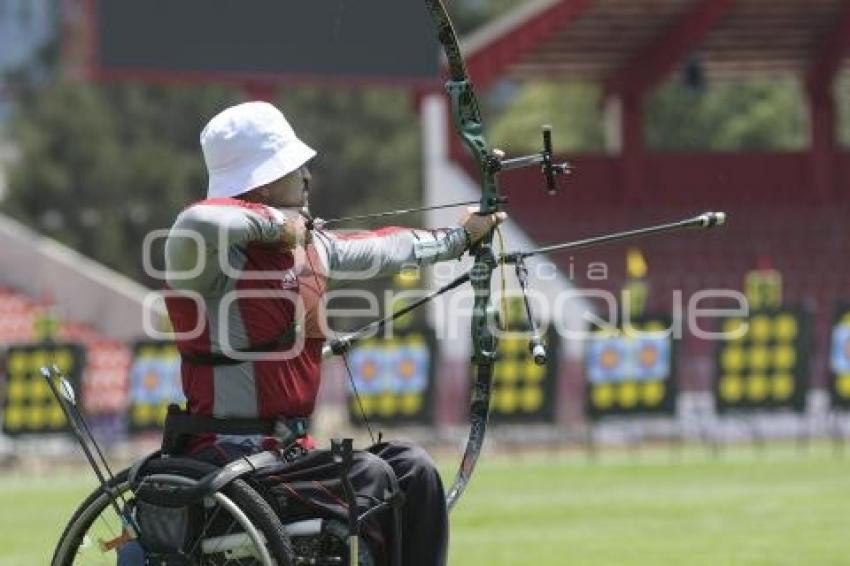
{"points": [[478, 225]]}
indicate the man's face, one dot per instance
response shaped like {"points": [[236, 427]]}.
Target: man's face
{"points": [[290, 191]]}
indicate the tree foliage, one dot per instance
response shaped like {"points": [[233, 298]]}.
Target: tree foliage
{"points": [[723, 116], [572, 109], [103, 165], [368, 143], [727, 116]]}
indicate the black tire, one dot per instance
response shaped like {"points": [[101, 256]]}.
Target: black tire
{"points": [[97, 506]]}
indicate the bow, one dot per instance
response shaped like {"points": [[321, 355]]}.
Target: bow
{"points": [[480, 407], [468, 125]]}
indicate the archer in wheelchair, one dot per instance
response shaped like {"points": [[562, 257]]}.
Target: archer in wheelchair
{"points": [[172, 510], [238, 479]]}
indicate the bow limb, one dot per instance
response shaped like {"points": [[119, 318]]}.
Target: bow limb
{"points": [[468, 125]]}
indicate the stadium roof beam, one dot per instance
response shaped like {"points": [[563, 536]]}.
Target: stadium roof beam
{"points": [[510, 39], [647, 68], [827, 62], [819, 80], [655, 61], [630, 46]]}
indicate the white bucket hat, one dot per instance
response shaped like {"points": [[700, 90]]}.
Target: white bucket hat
{"points": [[250, 145]]}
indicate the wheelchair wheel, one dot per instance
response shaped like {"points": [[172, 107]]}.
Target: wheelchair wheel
{"points": [[226, 526]]}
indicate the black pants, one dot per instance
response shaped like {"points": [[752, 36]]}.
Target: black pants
{"points": [[425, 534], [311, 485]]}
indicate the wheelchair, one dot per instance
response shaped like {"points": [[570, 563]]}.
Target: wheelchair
{"points": [[168, 510]]}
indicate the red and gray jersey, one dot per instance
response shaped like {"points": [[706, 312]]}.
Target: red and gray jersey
{"points": [[232, 287]]}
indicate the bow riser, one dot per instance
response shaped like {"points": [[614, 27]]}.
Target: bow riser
{"points": [[468, 125]]}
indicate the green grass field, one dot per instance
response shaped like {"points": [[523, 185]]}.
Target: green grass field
{"points": [[782, 506]]}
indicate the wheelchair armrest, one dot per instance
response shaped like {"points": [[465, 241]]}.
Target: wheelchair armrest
{"points": [[156, 490]]}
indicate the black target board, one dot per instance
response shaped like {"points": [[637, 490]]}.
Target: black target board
{"points": [[394, 378], [275, 40], [29, 406], [839, 359], [763, 365], [524, 392], [631, 370]]}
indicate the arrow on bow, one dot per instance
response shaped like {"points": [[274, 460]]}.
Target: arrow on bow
{"points": [[341, 345], [322, 223], [481, 393]]}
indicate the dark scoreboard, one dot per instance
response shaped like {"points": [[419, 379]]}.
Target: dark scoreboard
{"points": [[274, 39]]}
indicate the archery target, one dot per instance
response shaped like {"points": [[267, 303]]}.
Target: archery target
{"points": [[394, 378], [764, 368], [839, 359], [105, 385], [29, 405], [609, 363], [154, 384], [652, 357], [630, 372], [522, 391]]}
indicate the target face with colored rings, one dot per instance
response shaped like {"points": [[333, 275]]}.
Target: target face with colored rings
{"points": [[393, 378], [631, 371]]}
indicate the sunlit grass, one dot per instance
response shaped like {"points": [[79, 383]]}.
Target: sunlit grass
{"points": [[657, 506]]}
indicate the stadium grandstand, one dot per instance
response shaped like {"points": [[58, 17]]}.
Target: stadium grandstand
{"points": [[787, 209]]}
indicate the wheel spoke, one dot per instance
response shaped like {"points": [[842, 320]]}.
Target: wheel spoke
{"points": [[103, 529], [96, 534]]}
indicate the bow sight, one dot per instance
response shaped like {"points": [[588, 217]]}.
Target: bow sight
{"points": [[498, 163]]}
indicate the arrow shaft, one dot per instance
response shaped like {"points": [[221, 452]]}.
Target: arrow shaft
{"points": [[397, 212], [707, 220], [342, 344]]}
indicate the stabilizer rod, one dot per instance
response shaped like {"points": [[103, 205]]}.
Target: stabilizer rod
{"points": [[340, 345], [705, 220]]}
